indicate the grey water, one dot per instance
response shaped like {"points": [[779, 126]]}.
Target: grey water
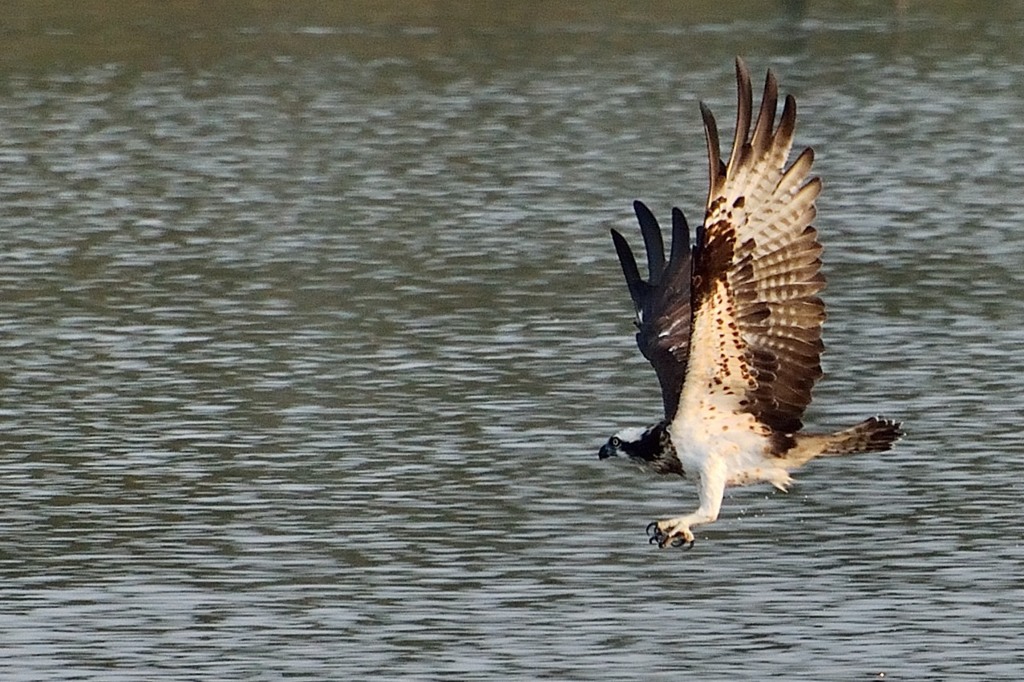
{"points": [[311, 327]]}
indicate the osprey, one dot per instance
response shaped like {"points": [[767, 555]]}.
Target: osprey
{"points": [[732, 324]]}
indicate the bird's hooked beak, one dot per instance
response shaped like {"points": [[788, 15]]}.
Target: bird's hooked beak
{"points": [[606, 451]]}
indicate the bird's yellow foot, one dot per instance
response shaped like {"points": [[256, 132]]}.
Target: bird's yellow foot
{"points": [[669, 534]]}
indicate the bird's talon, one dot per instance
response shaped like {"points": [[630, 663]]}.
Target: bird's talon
{"points": [[680, 541], [656, 535]]}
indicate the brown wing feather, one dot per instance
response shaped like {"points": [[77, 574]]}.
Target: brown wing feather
{"points": [[756, 273]]}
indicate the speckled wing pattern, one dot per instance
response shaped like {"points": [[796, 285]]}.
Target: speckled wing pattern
{"points": [[755, 341]]}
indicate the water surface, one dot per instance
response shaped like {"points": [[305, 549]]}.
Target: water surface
{"points": [[312, 328]]}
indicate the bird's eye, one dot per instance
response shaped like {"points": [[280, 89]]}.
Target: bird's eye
{"points": [[615, 441]]}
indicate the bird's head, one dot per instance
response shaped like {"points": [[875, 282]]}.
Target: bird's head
{"points": [[641, 443], [650, 446]]}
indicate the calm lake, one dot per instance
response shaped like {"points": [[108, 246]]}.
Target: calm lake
{"points": [[311, 328]]}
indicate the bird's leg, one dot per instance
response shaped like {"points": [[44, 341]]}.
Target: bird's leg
{"points": [[675, 532]]}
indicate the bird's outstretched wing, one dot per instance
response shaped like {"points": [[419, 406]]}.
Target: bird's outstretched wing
{"points": [[662, 302], [756, 334]]}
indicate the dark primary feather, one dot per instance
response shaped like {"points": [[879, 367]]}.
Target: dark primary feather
{"points": [[653, 244], [662, 302]]}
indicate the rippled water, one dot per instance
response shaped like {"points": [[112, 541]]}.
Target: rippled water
{"points": [[310, 338]]}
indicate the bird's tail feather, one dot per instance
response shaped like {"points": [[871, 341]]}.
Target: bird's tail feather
{"points": [[871, 435]]}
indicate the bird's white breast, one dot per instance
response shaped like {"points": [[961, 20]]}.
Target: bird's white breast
{"points": [[735, 439]]}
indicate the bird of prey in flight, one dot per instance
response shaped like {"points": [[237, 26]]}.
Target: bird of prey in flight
{"points": [[732, 323]]}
